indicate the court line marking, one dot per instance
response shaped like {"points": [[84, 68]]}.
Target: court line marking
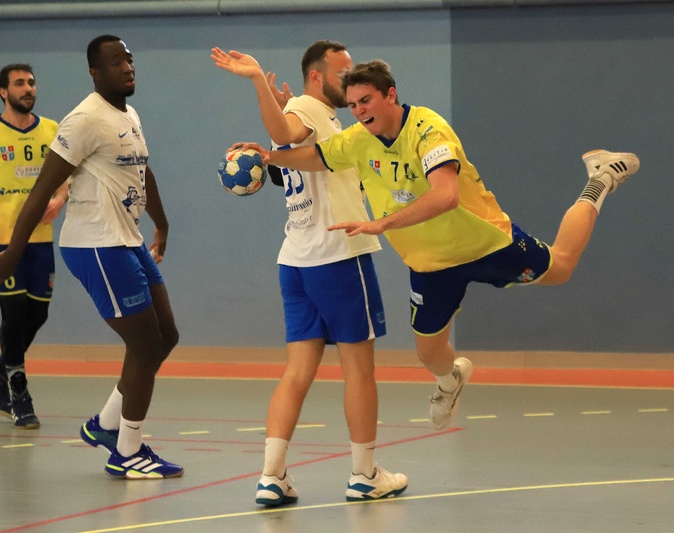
{"points": [[398, 499], [216, 483]]}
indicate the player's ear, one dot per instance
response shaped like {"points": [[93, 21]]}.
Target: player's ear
{"points": [[315, 76]]}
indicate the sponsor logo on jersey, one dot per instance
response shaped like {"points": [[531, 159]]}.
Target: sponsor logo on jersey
{"points": [[7, 153], [63, 141], [26, 172], [132, 197], [376, 166], [424, 136], [403, 197], [131, 160], [438, 155], [6, 192]]}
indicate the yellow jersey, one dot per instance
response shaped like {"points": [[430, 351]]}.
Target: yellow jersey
{"points": [[394, 174], [22, 154]]}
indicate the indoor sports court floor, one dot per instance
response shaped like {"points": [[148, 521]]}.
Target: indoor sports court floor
{"points": [[521, 458]]}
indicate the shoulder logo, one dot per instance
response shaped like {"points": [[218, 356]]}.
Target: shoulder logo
{"points": [[62, 141], [121, 135]]}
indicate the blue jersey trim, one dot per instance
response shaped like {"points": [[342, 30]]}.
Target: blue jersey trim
{"points": [[389, 142], [320, 153], [29, 128]]}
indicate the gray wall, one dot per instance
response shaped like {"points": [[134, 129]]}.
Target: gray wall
{"points": [[528, 90]]}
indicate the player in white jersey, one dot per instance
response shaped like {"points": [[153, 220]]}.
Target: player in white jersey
{"points": [[100, 149], [317, 308]]}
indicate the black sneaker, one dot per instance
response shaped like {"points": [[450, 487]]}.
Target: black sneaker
{"points": [[5, 397], [22, 403]]}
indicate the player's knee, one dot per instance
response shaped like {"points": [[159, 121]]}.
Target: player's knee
{"points": [[37, 314], [170, 340]]}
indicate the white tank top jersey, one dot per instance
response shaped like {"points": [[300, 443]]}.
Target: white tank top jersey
{"points": [[316, 200], [107, 189]]}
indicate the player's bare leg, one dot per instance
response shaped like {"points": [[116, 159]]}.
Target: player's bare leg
{"points": [[606, 171], [437, 355], [303, 358]]}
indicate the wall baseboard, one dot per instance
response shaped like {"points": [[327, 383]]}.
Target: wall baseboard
{"points": [[386, 358]]}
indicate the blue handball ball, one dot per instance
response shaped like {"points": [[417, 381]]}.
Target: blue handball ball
{"points": [[242, 172]]}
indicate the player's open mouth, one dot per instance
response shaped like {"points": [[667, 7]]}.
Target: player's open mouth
{"points": [[368, 120]]}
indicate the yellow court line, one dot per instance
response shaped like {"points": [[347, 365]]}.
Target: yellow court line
{"points": [[18, 446], [480, 417], [539, 414], [73, 441], [398, 499], [194, 432], [595, 412], [419, 420], [659, 410]]}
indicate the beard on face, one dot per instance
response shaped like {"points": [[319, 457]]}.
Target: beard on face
{"points": [[19, 105], [334, 96]]}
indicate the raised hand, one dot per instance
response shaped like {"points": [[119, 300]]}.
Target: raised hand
{"points": [[281, 97], [237, 63]]}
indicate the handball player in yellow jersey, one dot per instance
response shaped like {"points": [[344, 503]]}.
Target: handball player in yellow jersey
{"points": [[24, 297], [431, 204]]}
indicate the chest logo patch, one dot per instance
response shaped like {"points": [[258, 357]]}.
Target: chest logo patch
{"points": [[403, 196]]}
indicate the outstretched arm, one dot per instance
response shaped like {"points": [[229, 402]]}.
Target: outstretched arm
{"points": [[302, 158], [443, 196], [281, 128], [52, 175]]}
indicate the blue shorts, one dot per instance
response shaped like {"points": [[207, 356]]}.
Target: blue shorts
{"points": [[118, 279], [338, 302], [436, 296], [34, 275]]}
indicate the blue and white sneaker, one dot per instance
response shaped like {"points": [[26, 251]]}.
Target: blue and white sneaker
{"points": [[383, 484], [144, 464], [274, 491], [94, 435]]}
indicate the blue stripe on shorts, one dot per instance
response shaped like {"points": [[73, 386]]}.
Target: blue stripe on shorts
{"points": [[338, 302], [118, 278]]}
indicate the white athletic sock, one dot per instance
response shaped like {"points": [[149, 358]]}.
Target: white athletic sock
{"points": [[130, 436], [448, 382], [275, 457], [596, 190], [362, 456], [112, 410]]}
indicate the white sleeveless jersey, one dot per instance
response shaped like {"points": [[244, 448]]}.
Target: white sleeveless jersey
{"points": [[106, 192], [316, 200]]}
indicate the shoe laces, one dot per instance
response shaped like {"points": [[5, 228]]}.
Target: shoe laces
{"points": [[148, 451]]}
